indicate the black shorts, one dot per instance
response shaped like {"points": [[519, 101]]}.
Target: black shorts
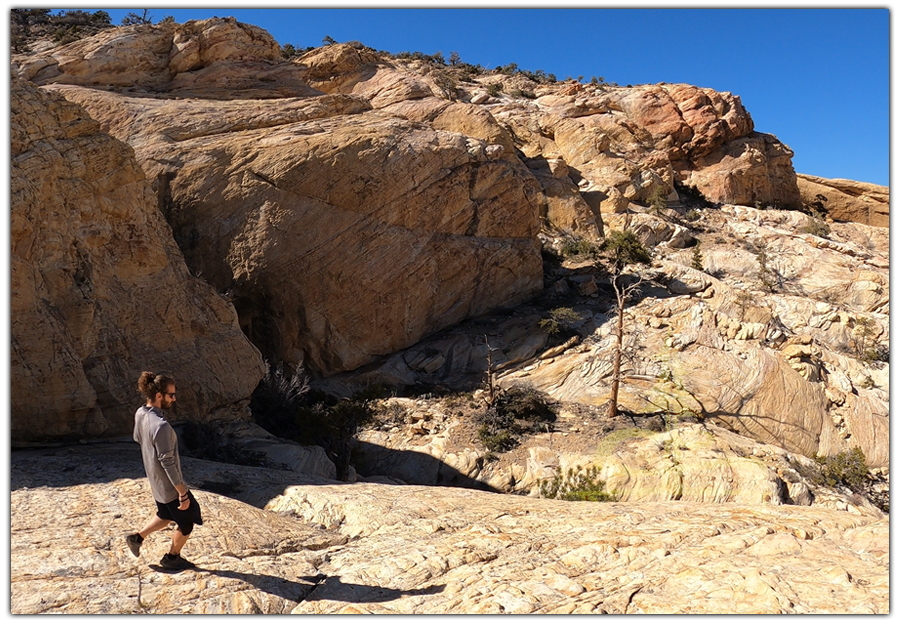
{"points": [[184, 519]]}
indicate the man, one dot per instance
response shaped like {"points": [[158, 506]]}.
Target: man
{"points": [[159, 449]]}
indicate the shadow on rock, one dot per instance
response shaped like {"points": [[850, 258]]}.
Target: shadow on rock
{"points": [[333, 589], [411, 467], [278, 586], [320, 588]]}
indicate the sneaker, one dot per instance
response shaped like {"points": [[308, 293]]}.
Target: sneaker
{"points": [[175, 562], [134, 544]]}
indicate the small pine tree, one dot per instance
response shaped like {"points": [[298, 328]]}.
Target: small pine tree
{"points": [[765, 274], [658, 200], [697, 257], [137, 18], [623, 248]]}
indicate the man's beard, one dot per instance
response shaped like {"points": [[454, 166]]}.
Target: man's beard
{"points": [[166, 404]]}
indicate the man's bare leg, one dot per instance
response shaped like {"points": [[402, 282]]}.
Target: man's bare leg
{"points": [[152, 525], [178, 541]]}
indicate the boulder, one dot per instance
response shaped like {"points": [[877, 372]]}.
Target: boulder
{"points": [[99, 289], [152, 56], [846, 200], [755, 169]]}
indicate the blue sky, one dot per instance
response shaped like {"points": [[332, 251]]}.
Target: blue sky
{"points": [[818, 79]]}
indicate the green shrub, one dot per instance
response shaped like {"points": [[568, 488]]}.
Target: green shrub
{"points": [[576, 485], [497, 442], [561, 319], [845, 468], [658, 200], [580, 247], [766, 274], [697, 258], [493, 90]]}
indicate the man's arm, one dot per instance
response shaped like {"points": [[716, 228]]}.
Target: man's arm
{"points": [[166, 445]]}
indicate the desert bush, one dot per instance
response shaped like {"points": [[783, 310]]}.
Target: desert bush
{"points": [[284, 405], [845, 468], [816, 225], [562, 319], [576, 485], [579, 247], [864, 343], [495, 430], [765, 274], [516, 411], [279, 394], [494, 89], [527, 403]]}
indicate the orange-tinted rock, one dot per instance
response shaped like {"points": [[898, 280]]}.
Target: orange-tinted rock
{"points": [[99, 289]]}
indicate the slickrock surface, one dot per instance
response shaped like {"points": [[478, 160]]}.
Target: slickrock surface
{"points": [[100, 290], [373, 548], [847, 200], [687, 463]]}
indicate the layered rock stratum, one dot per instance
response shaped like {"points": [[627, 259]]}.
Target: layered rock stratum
{"points": [[847, 200]]}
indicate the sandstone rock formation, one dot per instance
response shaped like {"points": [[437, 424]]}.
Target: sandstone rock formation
{"points": [[219, 58], [340, 234], [847, 200], [798, 367], [99, 289], [784, 366], [683, 462], [623, 144], [298, 544]]}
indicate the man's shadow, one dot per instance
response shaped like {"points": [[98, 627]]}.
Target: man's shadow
{"points": [[307, 589]]}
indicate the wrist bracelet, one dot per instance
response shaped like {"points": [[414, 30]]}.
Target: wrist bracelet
{"points": [[182, 497]]}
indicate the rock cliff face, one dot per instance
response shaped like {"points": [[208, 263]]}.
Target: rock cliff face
{"points": [[624, 144], [300, 208], [99, 289], [341, 233]]}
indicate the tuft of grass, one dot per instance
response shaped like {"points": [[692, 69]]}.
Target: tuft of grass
{"points": [[576, 484]]}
